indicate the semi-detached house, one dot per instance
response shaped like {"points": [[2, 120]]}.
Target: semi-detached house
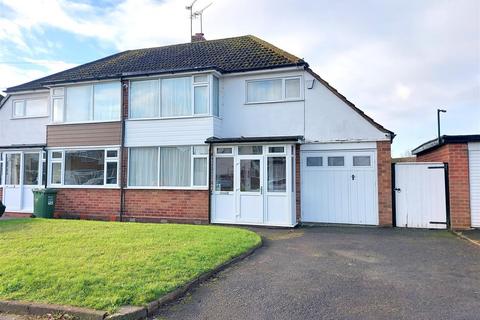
{"points": [[233, 131]]}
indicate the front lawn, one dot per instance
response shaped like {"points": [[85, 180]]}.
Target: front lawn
{"points": [[104, 265]]}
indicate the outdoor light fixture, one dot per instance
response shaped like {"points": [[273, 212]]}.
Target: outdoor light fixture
{"points": [[438, 122]]}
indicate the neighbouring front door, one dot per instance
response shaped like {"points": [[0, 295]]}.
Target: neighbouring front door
{"points": [[22, 174], [250, 190]]}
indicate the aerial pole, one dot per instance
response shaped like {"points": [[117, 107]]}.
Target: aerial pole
{"points": [[190, 8], [199, 13]]}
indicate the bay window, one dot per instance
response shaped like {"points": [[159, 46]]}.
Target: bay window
{"points": [[273, 90], [173, 97], [83, 103], [177, 166], [91, 167]]}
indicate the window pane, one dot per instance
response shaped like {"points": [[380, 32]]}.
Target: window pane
{"points": [[56, 173], [1, 169], [361, 161], [84, 167], [56, 155], [175, 166], [224, 174], [176, 97], [250, 175], [277, 174], [265, 90], [111, 173], [144, 97], [224, 150], [243, 150], [18, 108], [30, 168], [200, 150], [58, 91], [336, 161], [58, 110], [78, 104], [106, 101], [143, 167], [200, 78], [200, 171], [201, 99], [112, 153], [12, 169], [292, 88], [314, 161], [216, 97], [276, 149], [36, 108]]}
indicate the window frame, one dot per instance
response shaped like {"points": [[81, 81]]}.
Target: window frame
{"points": [[209, 87], [2, 165], [63, 93], [51, 160], [158, 186], [24, 111], [284, 98]]}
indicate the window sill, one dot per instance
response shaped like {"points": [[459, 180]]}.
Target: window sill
{"points": [[82, 187], [172, 118], [275, 101], [169, 188], [84, 122], [26, 117]]}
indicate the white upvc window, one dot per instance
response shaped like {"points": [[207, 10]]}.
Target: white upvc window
{"points": [[30, 108], [87, 103], [1, 169], [179, 167], [273, 90], [96, 167], [173, 97]]}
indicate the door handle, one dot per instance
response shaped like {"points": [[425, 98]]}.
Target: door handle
{"points": [[397, 189], [353, 177]]}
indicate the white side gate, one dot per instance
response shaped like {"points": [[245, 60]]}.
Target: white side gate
{"points": [[420, 191]]}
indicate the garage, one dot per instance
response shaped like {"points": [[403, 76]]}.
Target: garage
{"points": [[339, 185], [474, 166]]}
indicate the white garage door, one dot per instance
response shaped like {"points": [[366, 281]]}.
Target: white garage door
{"points": [[339, 187], [474, 167]]}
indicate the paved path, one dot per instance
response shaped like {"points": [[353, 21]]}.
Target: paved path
{"points": [[344, 273]]}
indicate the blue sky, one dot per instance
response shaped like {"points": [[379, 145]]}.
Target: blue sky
{"points": [[397, 60]]}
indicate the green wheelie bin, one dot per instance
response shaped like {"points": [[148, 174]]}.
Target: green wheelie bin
{"points": [[44, 202]]}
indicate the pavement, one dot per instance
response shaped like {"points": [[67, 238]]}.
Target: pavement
{"points": [[343, 273], [473, 235]]}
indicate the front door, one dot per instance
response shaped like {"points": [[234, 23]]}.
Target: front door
{"points": [[250, 189], [22, 174]]}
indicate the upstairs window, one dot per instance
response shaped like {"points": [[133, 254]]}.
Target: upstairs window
{"points": [[30, 108], [97, 102], [273, 90], [172, 97]]}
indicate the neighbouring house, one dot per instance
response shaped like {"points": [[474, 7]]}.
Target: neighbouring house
{"points": [[462, 154], [231, 131]]}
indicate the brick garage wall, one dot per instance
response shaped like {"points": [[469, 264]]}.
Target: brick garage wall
{"points": [[94, 204], [456, 155], [188, 206], [384, 172]]}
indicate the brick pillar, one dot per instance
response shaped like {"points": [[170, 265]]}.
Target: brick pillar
{"points": [[384, 172]]}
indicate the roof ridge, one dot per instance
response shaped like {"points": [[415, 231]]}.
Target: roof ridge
{"points": [[274, 48]]}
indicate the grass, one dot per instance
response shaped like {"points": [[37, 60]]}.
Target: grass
{"points": [[104, 265]]}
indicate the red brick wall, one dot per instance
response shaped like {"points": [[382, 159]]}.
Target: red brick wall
{"points": [[456, 155], [384, 172], [166, 205], [97, 204]]}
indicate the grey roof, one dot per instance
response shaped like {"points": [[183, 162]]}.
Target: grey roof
{"points": [[445, 139], [237, 54]]}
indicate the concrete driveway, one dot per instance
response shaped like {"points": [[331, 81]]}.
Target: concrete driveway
{"points": [[344, 273]]}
